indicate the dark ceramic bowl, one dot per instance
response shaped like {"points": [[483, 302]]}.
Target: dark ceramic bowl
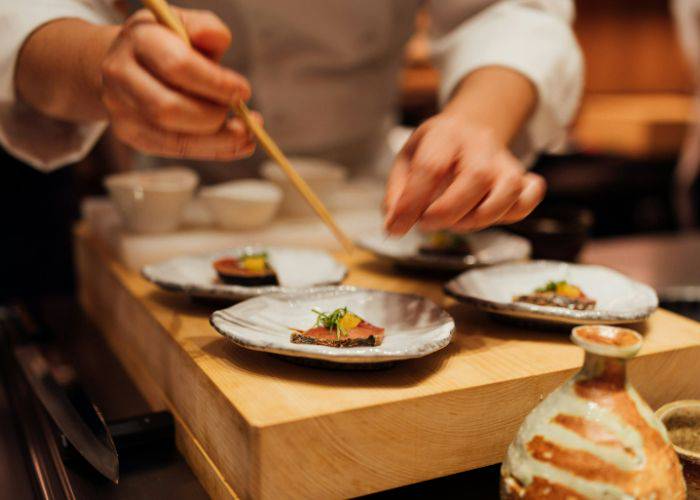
{"points": [[556, 232], [682, 421]]}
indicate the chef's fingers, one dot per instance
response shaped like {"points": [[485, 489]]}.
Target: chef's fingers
{"points": [[469, 187], [399, 173], [207, 32], [164, 107], [474, 177], [172, 61], [229, 143], [140, 16], [501, 198], [395, 186], [431, 168], [534, 189]]}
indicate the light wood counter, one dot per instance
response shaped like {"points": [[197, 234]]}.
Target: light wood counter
{"points": [[255, 426]]}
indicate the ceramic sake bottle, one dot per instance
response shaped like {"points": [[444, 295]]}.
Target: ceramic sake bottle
{"points": [[594, 437]]}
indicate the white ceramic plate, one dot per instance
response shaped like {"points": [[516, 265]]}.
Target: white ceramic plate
{"points": [[618, 298], [414, 326], [296, 269], [490, 247]]}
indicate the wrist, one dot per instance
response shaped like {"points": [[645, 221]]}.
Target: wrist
{"points": [[58, 69], [100, 38], [495, 99]]}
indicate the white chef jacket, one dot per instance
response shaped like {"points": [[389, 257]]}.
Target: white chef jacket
{"points": [[325, 73], [687, 13]]}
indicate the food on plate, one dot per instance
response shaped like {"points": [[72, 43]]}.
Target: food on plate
{"points": [[559, 294], [445, 243], [340, 328], [249, 270]]}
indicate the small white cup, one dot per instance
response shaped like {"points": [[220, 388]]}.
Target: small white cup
{"points": [[152, 201], [242, 204], [323, 177]]}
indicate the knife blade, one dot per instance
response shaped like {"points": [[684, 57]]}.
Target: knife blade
{"points": [[89, 435]]}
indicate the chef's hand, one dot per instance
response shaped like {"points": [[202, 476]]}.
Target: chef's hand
{"points": [[165, 98], [457, 173]]}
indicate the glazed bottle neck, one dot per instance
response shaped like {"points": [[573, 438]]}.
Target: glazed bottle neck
{"points": [[609, 370]]}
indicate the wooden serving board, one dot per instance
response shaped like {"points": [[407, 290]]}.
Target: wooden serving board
{"points": [[255, 426]]}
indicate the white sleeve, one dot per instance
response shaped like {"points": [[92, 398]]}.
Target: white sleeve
{"points": [[532, 37], [30, 136], [686, 14]]}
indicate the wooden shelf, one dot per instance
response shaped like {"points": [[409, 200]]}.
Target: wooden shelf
{"points": [[634, 125]]}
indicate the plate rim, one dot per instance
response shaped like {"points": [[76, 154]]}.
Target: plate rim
{"points": [[343, 355], [235, 292], [417, 260], [554, 314]]}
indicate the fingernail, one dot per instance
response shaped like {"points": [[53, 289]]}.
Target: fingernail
{"points": [[387, 226], [390, 231], [397, 226], [391, 210], [389, 218]]}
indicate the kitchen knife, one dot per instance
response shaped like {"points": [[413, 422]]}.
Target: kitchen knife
{"points": [[88, 435]]}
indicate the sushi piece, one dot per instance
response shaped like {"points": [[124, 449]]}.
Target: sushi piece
{"points": [[445, 243], [341, 328], [247, 270], [559, 294]]}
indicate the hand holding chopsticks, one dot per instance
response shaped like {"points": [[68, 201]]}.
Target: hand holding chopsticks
{"points": [[165, 99], [164, 14]]}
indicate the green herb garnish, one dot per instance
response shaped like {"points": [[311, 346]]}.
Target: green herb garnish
{"points": [[551, 286], [449, 240], [333, 320], [254, 255]]}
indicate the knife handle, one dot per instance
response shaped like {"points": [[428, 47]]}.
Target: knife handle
{"points": [[143, 433], [137, 439]]}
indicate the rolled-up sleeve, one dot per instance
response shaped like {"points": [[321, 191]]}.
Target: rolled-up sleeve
{"points": [[532, 37], [30, 136]]}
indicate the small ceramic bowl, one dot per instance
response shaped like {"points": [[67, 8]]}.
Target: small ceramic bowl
{"points": [[244, 204], [152, 201], [682, 421], [324, 178]]}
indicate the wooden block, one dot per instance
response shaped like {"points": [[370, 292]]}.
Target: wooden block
{"points": [[256, 426]]}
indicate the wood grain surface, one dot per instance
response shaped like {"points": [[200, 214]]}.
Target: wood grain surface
{"points": [[255, 426]]}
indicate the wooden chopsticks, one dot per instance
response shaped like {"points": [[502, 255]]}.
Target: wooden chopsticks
{"points": [[164, 14]]}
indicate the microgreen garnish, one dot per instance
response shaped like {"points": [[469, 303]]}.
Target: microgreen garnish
{"points": [[551, 286], [449, 240], [254, 255], [332, 321]]}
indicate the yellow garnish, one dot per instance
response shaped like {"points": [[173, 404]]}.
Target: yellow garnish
{"points": [[255, 263], [447, 240], [567, 290], [349, 321], [440, 240], [341, 320]]}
